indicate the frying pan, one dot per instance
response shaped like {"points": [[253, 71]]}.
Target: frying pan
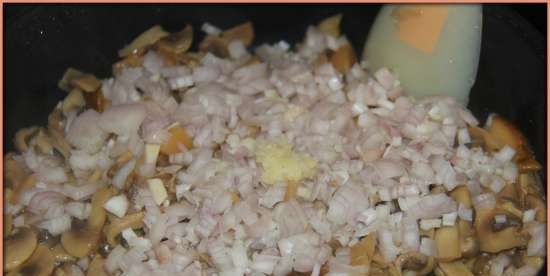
{"points": [[41, 41]]}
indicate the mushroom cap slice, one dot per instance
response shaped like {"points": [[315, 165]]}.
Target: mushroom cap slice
{"points": [[61, 255], [96, 267], [494, 242], [448, 243], [177, 43], [118, 225], [41, 263], [20, 248], [331, 25], [454, 269], [98, 215], [80, 241]]}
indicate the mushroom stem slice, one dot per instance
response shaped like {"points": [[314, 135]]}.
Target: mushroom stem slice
{"points": [[133, 221], [537, 203], [454, 269], [96, 266], [494, 242], [98, 215], [361, 253], [21, 245], [461, 194], [41, 263], [448, 243], [80, 241]]}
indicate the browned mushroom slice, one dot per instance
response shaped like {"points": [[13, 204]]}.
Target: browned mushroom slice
{"points": [[483, 138], [331, 25], [533, 261], [27, 183], [41, 263], [496, 241], [61, 255], [65, 81], [529, 165], [509, 207], [84, 236], [96, 267], [95, 100], [243, 32], [23, 138], [133, 221], [73, 101], [176, 43], [67, 269], [8, 224], [448, 243], [461, 194], [145, 39], [343, 58], [506, 133], [361, 253], [131, 60], [414, 261], [215, 45], [454, 269], [80, 240], [482, 265], [21, 245], [537, 203], [86, 82]]}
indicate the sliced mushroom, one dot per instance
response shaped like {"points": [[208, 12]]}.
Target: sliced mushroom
{"points": [[343, 58], [178, 138], [527, 184], [483, 138], [27, 183], [56, 121], [533, 261], [176, 43], [291, 190], [461, 194], [84, 236], [215, 45], [96, 100], [454, 269], [129, 61], [145, 39], [68, 269], [331, 25], [61, 255], [80, 240], [537, 203], [8, 224], [23, 138], [133, 221], [88, 83], [496, 241], [21, 245], [482, 266], [529, 165], [73, 101], [243, 32], [414, 261], [65, 81], [96, 267], [506, 133], [362, 252], [447, 240], [41, 263]]}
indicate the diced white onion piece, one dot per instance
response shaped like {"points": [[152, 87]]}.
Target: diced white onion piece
{"points": [[529, 215], [428, 247], [158, 191], [465, 213], [117, 205], [427, 224], [505, 154], [151, 153], [449, 219], [500, 219], [463, 136]]}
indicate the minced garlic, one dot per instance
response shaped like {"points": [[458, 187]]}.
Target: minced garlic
{"points": [[281, 165]]}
